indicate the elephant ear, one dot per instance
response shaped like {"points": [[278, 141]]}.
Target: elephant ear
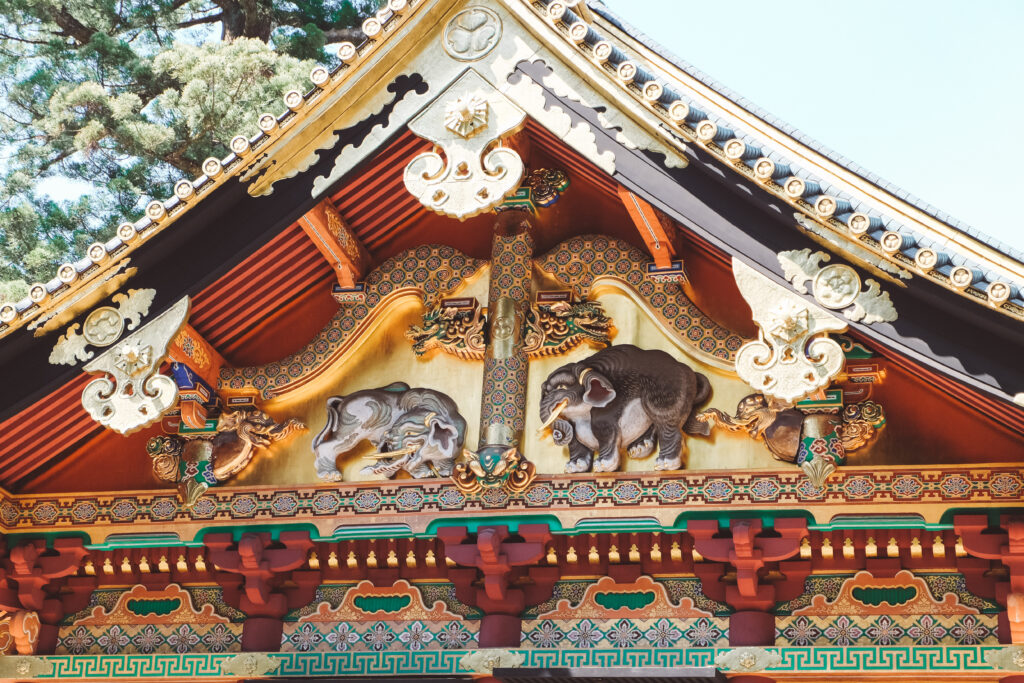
{"points": [[597, 389], [442, 435]]}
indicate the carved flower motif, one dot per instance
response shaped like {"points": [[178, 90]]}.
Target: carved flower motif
{"points": [[453, 636], [703, 633], [884, 631], [379, 637], [802, 632], [843, 632], [183, 639], [148, 639], [789, 321], [306, 637], [927, 631], [219, 638], [79, 641], [624, 634]]}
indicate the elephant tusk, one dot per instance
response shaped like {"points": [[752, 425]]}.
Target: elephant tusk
{"points": [[390, 454], [555, 412]]}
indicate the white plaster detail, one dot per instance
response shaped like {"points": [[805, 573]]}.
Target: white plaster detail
{"points": [[131, 393], [468, 180], [486, 661], [472, 33], [793, 356], [837, 286]]}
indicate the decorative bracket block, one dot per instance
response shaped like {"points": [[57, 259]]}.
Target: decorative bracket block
{"points": [[465, 120], [335, 240], [748, 552], [652, 229], [254, 558], [793, 357], [132, 394], [501, 560], [26, 574], [1006, 545]]}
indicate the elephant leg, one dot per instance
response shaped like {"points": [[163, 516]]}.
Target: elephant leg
{"points": [[608, 451], [445, 467], [326, 466], [581, 458], [670, 442], [644, 446]]}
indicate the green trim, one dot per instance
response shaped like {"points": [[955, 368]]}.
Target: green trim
{"points": [[635, 600], [816, 660], [511, 521], [381, 603]]}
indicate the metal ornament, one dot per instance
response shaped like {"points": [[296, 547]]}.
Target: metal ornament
{"points": [[747, 659], [793, 357], [471, 182], [837, 286], [102, 327], [132, 394]]}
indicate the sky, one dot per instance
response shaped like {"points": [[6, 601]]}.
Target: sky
{"points": [[928, 94]]}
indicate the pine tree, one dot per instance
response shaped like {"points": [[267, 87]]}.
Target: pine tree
{"points": [[124, 97]]}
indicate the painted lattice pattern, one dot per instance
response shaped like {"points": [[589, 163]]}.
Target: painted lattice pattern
{"points": [[379, 636], [431, 271], [886, 630], [716, 489], [582, 261], [626, 633]]}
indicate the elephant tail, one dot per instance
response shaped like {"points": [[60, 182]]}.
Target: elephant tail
{"points": [[703, 393], [332, 420]]}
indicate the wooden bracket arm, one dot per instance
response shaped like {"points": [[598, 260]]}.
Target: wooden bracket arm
{"points": [[337, 242], [653, 227]]}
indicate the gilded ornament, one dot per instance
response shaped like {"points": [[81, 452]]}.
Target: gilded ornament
{"points": [[466, 181], [486, 661], [131, 394], [548, 330], [466, 116], [197, 461], [792, 357], [494, 467], [837, 286], [1010, 658], [472, 33], [747, 659], [250, 664], [15, 667], [102, 327]]}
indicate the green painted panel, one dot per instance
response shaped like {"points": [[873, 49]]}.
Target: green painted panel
{"points": [[637, 600], [382, 603]]}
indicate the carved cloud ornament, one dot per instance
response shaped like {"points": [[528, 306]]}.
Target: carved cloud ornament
{"points": [[131, 393], [837, 286], [102, 327], [793, 357], [467, 120]]}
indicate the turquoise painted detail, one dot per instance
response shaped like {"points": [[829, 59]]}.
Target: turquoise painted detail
{"points": [[381, 603], [637, 600], [874, 596], [158, 606]]}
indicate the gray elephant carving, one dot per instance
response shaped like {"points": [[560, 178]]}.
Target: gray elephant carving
{"points": [[623, 398], [416, 430]]}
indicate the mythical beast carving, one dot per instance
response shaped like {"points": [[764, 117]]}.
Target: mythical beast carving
{"points": [[416, 430], [623, 398], [198, 461]]}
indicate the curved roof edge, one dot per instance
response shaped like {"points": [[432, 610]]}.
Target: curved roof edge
{"points": [[601, 9]]}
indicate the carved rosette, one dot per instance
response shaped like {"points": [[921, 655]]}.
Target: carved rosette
{"points": [[792, 357], [132, 394], [465, 120], [837, 286]]}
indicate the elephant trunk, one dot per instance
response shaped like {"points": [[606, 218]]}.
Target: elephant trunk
{"points": [[553, 415]]}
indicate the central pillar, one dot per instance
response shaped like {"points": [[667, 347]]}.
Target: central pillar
{"points": [[503, 406]]}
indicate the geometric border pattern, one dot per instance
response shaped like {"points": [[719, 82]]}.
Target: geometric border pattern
{"points": [[160, 511], [439, 662]]}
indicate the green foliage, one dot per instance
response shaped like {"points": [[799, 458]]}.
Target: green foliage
{"points": [[121, 98]]}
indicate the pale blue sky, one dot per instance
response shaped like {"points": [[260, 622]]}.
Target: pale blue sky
{"points": [[928, 94]]}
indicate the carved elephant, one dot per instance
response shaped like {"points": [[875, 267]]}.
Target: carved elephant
{"points": [[623, 398], [416, 430]]}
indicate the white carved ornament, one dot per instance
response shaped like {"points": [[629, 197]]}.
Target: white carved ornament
{"points": [[102, 326], [131, 393], [837, 286], [793, 356], [469, 117]]}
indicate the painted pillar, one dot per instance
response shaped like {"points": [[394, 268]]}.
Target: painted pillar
{"points": [[503, 408]]}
